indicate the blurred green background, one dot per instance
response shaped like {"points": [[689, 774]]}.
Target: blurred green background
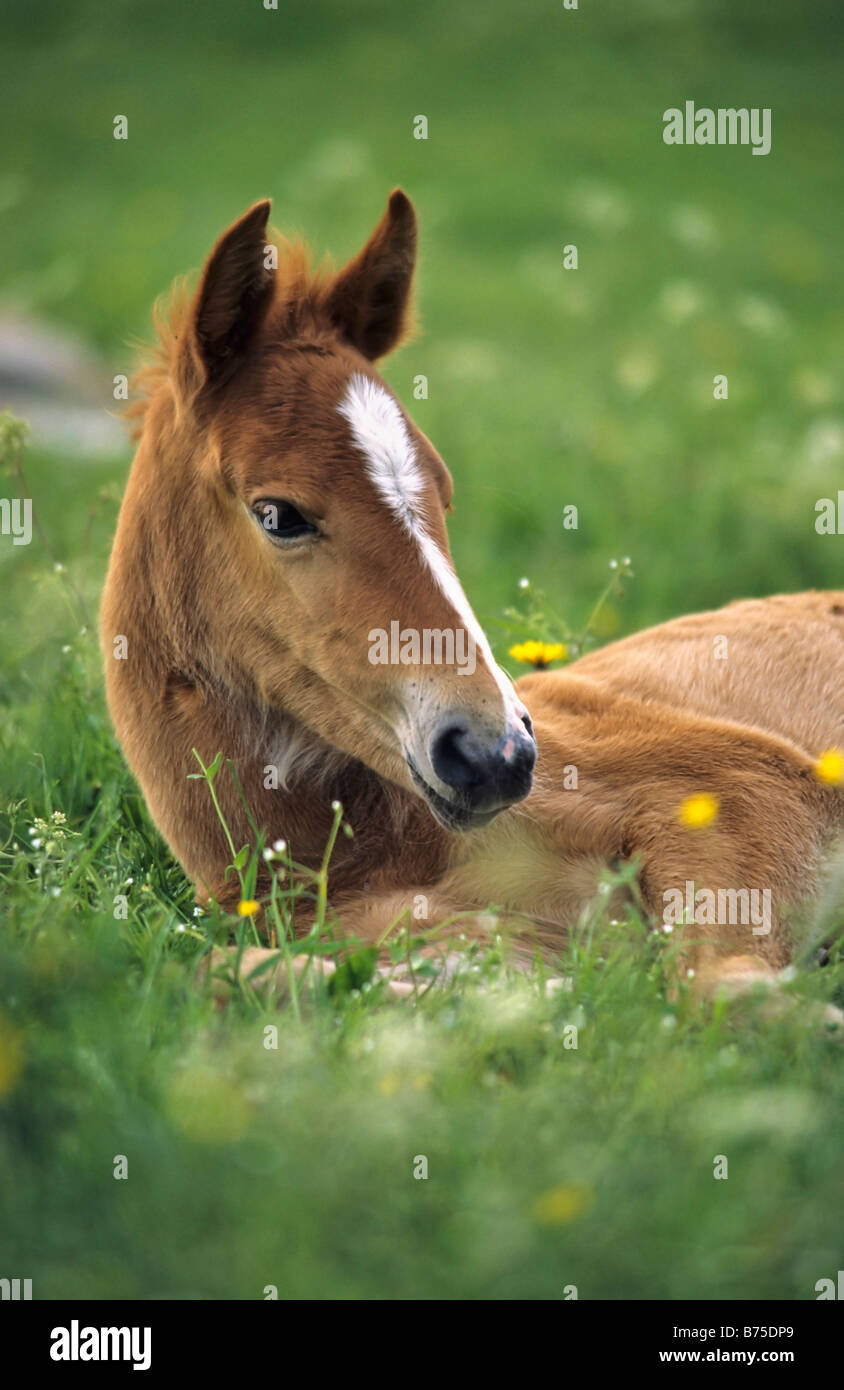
{"points": [[547, 387]]}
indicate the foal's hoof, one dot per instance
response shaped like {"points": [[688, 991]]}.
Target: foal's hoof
{"points": [[827, 1017]]}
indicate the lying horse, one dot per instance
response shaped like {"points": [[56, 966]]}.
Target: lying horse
{"points": [[282, 508]]}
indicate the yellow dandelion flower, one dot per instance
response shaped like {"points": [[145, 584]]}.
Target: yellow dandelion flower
{"points": [[538, 654], [389, 1084], [560, 1205], [247, 907], [830, 766], [697, 811]]}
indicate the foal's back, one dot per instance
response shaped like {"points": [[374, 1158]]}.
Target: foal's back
{"points": [[775, 664]]}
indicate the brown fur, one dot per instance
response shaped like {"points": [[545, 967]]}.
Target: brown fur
{"points": [[233, 647]]}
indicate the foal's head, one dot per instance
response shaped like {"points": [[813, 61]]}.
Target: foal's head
{"points": [[311, 516]]}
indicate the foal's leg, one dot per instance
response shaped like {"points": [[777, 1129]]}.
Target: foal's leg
{"points": [[274, 979], [373, 918], [733, 976]]}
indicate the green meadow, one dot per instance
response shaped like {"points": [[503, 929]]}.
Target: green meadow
{"points": [[286, 1160]]}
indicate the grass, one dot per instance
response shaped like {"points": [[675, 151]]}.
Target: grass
{"points": [[548, 1165]]}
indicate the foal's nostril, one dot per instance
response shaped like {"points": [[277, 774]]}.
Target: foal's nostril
{"points": [[452, 758], [485, 773], [528, 723]]}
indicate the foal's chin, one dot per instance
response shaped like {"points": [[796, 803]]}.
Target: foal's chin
{"points": [[458, 816]]}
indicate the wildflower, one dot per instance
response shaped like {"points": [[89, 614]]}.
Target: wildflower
{"points": [[538, 654], [560, 1205], [247, 907], [279, 846], [830, 766], [698, 811]]}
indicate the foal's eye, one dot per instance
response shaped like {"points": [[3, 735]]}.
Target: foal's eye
{"points": [[282, 520]]}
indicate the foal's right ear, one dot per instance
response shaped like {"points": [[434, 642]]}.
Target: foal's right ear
{"points": [[369, 300], [233, 295]]}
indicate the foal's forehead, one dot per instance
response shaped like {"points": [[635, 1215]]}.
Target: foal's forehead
{"points": [[380, 434], [329, 416]]}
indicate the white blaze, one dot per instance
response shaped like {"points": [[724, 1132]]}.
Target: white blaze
{"points": [[380, 433]]}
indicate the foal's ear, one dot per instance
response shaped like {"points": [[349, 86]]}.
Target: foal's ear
{"points": [[369, 300], [233, 295]]}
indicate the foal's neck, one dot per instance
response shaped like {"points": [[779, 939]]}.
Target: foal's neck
{"points": [[292, 781]]}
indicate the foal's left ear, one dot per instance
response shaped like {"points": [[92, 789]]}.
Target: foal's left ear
{"points": [[369, 300], [234, 293]]}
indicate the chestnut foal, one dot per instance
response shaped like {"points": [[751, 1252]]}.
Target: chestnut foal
{"points": [[284, 520]]}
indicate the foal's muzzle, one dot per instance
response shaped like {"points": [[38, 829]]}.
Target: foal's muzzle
{"points": [[483, 774]]}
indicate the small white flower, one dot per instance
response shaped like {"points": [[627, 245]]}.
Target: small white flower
{"points": [[690, 974], [129, 881], [56, 892], [279, 846], [524, 583], [36, 844], [668, 928], [59, 568], [613, 564], [65, 648], [198, 912], [269, 854], [181, 927], [335, 806]]}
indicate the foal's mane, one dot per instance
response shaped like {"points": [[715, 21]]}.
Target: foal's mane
{"points": [[296, 312]]}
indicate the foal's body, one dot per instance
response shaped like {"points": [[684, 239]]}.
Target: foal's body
{"points": [[266, 409], [648, 722]]}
